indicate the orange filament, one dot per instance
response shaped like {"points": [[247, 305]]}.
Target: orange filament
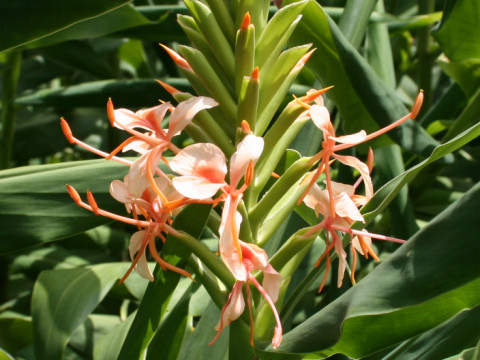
{"points": [[417, 105], [120, 147]]}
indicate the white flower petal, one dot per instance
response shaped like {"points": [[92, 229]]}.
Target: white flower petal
{"points": [[186, 111], [195, 187], [249, 149]]}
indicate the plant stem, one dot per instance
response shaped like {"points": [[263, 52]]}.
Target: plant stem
{"points": [[10, 82]]}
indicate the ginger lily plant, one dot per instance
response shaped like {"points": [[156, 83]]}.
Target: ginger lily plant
{"points": [[245, 194]]}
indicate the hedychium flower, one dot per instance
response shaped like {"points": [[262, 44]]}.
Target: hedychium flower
{"points": [[145, 195], [338, 204], [203, 171]]}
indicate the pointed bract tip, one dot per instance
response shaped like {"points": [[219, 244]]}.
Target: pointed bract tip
{"points": [[255, 73], [315, 94], [170, 89], [417, 105], [247, 20], [180, 61], [67, 131], [303, 60], [246, 127]]}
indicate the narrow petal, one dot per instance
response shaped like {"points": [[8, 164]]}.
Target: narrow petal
{"points": [[229, 244], [318, 200], [249, 149], [185, 112], [271, 282], [342, 260], [154, 116], [135, 245], [362, 168], [321, 118], [119, 191], [353, 139], [345, 207]]}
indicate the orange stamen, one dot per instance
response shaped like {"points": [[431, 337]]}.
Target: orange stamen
{"points": [[275, 175], [110, 112], [164, 264], [120, 147], [417, 105], [67, 131]]}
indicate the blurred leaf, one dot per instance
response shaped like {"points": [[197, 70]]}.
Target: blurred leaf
{"points": [[460, 23], [15, 331], [58, 307], [79, 55], [119, 19], [25, 21], [425, 282], [35, 206], [124, 93], [108, 347], [5, 356]]}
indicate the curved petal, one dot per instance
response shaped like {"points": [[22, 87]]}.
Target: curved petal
{"points": [[201, 160], [271, 282], [342, 259], [353, 139], [119, 191], [154, 116], [136, 244], [318, 200], [195, 187], [185, 112], [345, 207], [321, 118], [362, 168], [249, 149], [229, 243], [129, 119]]}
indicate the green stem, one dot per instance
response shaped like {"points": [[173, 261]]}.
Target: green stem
{"points": [[10, 82]]}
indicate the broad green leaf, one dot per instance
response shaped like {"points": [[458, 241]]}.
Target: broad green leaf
{"points": [[15, 331], [62, 300], [90, 61], [362, 98], [35, 206], [119, 19], [25, 21], [154, 303], [450, 338], [167, 341], [108, 347], [425, 282], [459, 23], [124, 93], [196, 343], [5, 356]]}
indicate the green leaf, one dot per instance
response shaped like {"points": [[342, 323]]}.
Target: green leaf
{"points": [[16, 330], [154, 303], [124, 93], [424, 283], [35, 206], [450, 338], [108, 347], [25, 21], [59, 306], [460, 23]]}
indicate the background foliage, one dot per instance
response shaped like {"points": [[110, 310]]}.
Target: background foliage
{"points": [[59, 264]]}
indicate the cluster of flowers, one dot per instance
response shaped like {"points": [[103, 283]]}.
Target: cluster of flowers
{"points": [[153, 197]]}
